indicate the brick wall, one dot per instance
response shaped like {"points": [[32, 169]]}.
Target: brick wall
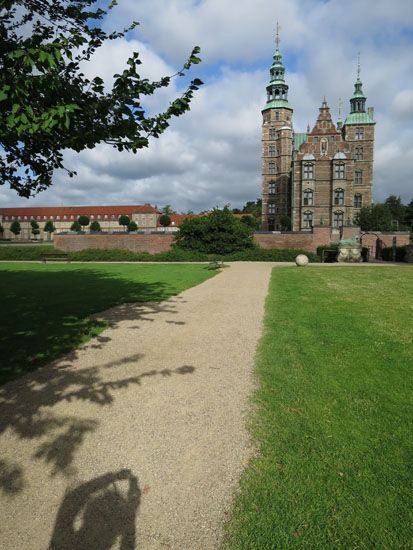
{"points": [[306, 240], [134, 243]]}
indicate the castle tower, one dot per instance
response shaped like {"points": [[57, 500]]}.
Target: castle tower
{"points": [[358, 133], [276, 149]]}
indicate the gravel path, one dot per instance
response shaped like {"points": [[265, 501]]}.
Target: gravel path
{"points": [[138, 439]]}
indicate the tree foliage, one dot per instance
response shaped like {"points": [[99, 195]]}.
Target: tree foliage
{"points": [[251, 221], [34, 228], [83, 220], [95, 226], [132, 226], [124, 220], [165, 220], [217, 233], [49, 227], [76, 226], [47, 104], [15, 228]]}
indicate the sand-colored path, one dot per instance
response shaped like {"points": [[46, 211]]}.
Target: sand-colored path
{"points": [[138, 439]]}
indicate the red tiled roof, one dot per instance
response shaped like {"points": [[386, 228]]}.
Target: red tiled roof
{"points": [[77, 211]]}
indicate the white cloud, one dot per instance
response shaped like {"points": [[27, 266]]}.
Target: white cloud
{"points": [[211, 155]]}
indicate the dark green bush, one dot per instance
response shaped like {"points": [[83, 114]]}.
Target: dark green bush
{"points": [[29, 253], [387, 253], [263, 255], [329, 257], [220, 232], [176, 254]]}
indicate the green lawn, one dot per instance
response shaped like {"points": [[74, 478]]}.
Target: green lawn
{"points": [[45, 308], [333, 419]]}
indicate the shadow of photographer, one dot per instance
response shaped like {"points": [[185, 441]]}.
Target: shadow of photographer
{"points": [[98, 514]]}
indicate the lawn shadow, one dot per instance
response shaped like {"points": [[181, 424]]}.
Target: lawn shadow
{"points": [[97, 514], [11, 478]]}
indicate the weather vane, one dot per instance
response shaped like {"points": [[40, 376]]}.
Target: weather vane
{"points": [[277, 39], [358, 66]]}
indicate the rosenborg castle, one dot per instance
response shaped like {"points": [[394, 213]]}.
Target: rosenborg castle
{"points": [[320, 177]]}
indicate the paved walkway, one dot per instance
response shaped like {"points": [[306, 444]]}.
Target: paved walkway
{"points": [[138, 439]]}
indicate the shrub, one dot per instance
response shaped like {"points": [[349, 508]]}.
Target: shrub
{"points": [[165, 220], [218, 233], [331, 255], [75, 226], [35, 228], [272, 255], [49, 227], [29, 253], [124, 220], [83, 220], [387, 253], [132, 226], [15, 228], [95, 226]]}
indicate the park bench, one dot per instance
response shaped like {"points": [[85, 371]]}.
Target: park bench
{"points": [[55, 257]]}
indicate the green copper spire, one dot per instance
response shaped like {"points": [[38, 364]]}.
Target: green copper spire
{"points": [[358, 113], [277, 89]]}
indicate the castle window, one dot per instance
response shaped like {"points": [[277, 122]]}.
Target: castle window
{"points": [[272, 168], [358, 155], [272, 187], [331, 139], [315, 140], [338, 218], [308, 197], [358, 200], [339, 170], [271, 208], [339, 197], [358, 177], [272, 151], [359, 133], [277, 115], [307, 219], [273, 133], [308, 171], [323, 146]]}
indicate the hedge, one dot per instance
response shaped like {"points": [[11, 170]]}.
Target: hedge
{"points": [[387, 253], [174, 255]]}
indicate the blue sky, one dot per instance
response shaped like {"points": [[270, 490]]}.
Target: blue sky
{"points": [[211, 155]]}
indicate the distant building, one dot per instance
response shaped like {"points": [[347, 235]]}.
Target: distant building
{"points": [[320, 177], [146, 217]]}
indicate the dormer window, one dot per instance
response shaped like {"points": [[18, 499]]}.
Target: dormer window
{"points": [[308, 171]]}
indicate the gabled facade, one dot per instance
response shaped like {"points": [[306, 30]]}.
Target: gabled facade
{"points": [[321, 177]]}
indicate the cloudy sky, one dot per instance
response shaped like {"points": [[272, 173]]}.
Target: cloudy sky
{"points": [[211, 155]]}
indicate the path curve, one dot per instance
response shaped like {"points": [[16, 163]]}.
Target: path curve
{"points": [[138, 439]]}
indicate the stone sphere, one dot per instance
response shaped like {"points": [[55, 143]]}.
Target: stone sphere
{"points": [[301, 260]]}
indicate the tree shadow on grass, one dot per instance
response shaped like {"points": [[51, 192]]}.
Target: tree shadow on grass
{"points": [[99, 513], [48, 314]]}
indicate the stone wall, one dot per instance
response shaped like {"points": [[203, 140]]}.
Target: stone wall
{"points": [[134, 243]]}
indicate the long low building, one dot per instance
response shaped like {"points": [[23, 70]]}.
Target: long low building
{"points": [[145, 216]]}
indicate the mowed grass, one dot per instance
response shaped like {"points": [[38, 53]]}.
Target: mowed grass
{"points": [[46, 308], [333, 418]]}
